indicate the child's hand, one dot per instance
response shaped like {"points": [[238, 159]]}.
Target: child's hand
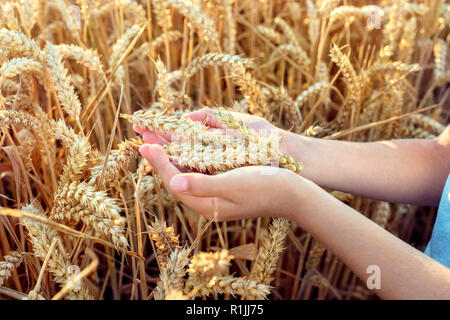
{"points": [[245, 192]]}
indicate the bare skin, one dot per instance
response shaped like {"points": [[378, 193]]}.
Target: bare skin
{"points": [[410, 171]]}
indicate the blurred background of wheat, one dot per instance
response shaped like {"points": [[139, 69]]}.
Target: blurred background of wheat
{"points": [[90, 207]]}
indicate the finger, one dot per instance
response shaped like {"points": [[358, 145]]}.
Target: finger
{"points": [[143, 131], [157, 157], [153, 138], [207, 117], [138, 129], [199, 185]]}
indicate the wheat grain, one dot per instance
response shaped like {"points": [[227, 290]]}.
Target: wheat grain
{"points": [[71, 214], [293, 51], [392, 29], [407, 43], [8, 117], [287, 31], [9, 17], [345, 13], [230, 35], [342, 196]]}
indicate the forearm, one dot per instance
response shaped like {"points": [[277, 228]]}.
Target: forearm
{"points": [[406, 273], [409, 171]]}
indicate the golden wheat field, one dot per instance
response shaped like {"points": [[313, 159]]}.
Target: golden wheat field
{"points": [[83, 216]]}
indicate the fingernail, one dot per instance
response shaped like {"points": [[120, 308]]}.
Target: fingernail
{"points": [[179, 184]]}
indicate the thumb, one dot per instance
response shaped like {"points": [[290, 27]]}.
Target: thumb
{"points": [[199, 185]]}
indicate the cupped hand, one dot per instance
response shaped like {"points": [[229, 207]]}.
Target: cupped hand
{"points": [[245, 192]]}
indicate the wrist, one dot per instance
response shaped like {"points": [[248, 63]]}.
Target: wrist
{"points": [[299, 193], [292, 144]]}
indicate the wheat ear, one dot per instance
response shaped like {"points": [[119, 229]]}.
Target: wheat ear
{"points": [[86, 57], [103, 207], [309, 93], [165, 241], [14, 43], [247, 289], [269, 252], [119, 48], [197, 17], [58, 264], [11, 261], [204, 266], [440, 60], [353, 83], [79, 151], [61, 82], [172, 277], [381, 213], [270, 34], [118, 159]]}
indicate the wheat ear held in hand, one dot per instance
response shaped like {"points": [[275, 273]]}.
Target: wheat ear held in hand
{"points": [[217, 152]]}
